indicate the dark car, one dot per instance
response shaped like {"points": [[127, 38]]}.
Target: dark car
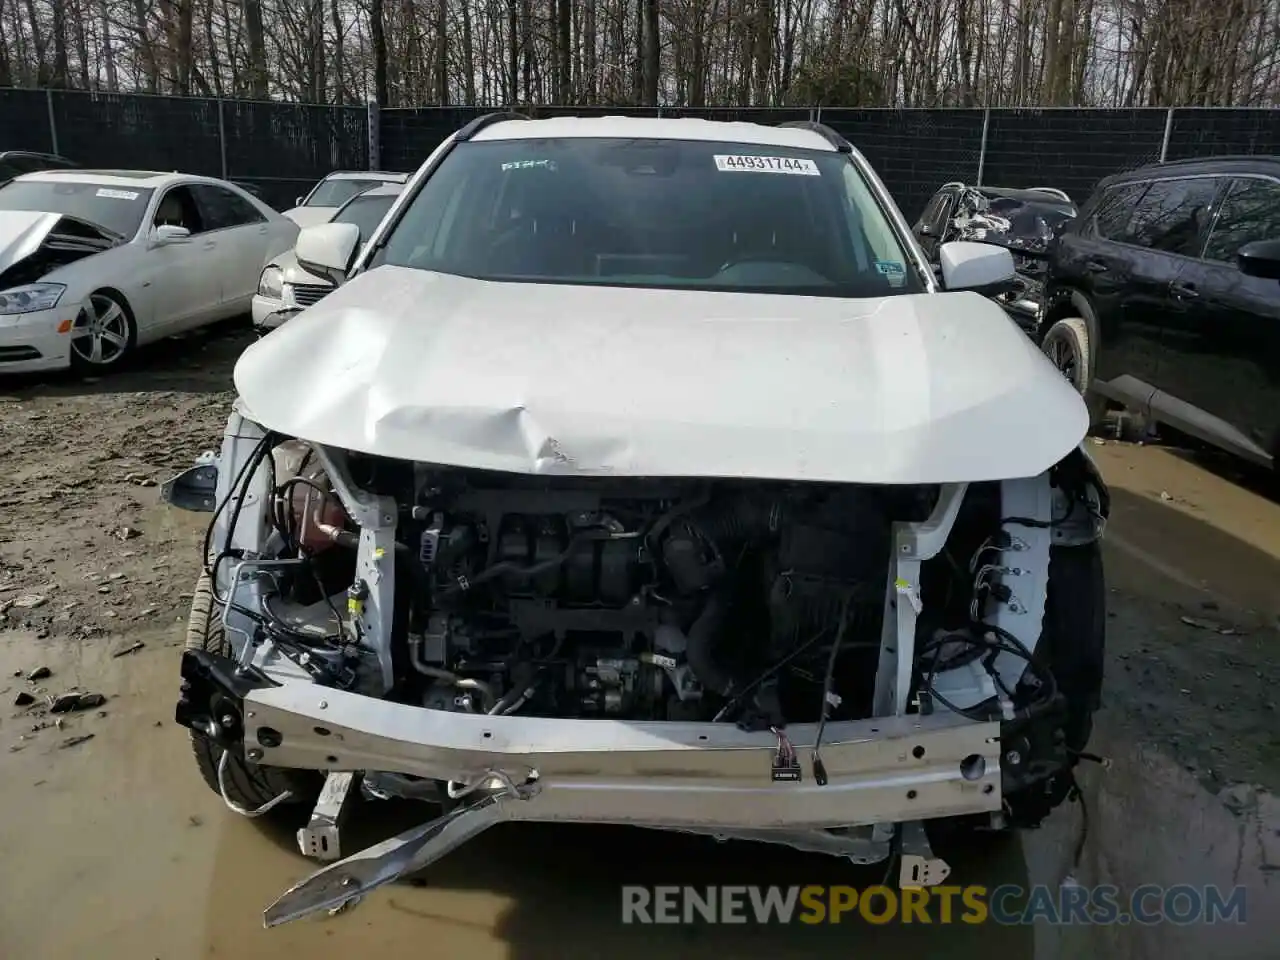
{"points": [[1025, 221], [14, 163], [1148, 305]]}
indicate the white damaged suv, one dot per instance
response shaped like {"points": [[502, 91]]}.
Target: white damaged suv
{"points": [[643, 472]]}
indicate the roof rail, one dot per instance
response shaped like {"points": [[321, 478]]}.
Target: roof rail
{"points": [[488, 120], [1053, 191], [822, 130]]}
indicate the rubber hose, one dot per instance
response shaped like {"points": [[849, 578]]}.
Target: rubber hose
{"points": [[700, 650]]}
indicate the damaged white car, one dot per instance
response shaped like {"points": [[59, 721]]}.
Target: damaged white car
{"points": [[643, 474]]}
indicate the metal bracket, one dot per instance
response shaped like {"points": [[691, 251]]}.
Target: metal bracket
{"points": [[320, 839], [195, 488], [919, 867]]}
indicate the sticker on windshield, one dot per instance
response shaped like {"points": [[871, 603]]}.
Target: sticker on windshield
{"points": [[116, 194], [796, 166], [892, 270], [530, 165]]}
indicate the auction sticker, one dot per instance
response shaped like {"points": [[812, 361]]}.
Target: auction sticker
{"points": [[796, 166], [529, 165], [116, 194]]}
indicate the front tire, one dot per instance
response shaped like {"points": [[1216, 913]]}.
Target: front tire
{"points": [[248, 785], [1070, 348], [103, 333]]}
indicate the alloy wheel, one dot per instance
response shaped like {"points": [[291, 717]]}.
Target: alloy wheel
{"points": [[100, 334]]}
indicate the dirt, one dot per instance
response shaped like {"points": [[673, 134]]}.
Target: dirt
{"points": [[106, 817]]}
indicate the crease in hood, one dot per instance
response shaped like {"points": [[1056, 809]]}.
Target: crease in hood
{"points": [[606, 381]]}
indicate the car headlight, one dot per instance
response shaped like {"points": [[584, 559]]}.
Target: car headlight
{"points": [[30, 298], [271, 284]]}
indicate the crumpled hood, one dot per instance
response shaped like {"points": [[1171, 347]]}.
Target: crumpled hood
{"points": [[547, 379], [21, 233], [294, 272]]}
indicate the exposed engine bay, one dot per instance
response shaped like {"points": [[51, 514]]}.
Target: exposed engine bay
{"points": [[625, 650], [66, 240]]}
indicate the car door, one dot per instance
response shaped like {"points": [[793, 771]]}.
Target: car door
{"points": [[1169, 225], [1094, 261], [243, 235], [182, 290], [1223, 347]]}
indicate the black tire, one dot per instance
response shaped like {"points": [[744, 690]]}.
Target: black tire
{"points": [[1073, 638], [248, 785], [1069, 345], [105, 321]]}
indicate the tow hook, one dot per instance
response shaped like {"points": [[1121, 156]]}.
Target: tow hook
{"points": [[211, 702]]}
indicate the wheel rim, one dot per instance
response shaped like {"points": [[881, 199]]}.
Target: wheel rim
{"points": [[100, 334], [1063, 355]]}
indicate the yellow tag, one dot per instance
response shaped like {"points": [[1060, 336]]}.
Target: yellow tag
{"points": [[379, 553]]}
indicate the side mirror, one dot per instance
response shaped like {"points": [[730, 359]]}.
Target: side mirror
{"points": [[168, 233], [980, 267], [328, 248], [1260, 259]]}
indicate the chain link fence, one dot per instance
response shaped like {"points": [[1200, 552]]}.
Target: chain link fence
{"points": [[281, 149]]}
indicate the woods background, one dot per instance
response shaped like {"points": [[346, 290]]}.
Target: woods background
{"points": [[741, 53]]}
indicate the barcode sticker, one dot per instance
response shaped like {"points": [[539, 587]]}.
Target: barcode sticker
{"points": [[116, 194], [796, 166]]}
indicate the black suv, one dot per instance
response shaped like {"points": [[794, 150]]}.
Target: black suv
{"points": [[1024, 221], [14, 163], [1151, 303]]}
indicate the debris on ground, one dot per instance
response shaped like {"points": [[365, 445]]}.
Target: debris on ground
{"points": [[70, 702], [1203, 623], [131, 648], [30, 601], [39, 673], [23, 699], [127, 533], [75, 741]]}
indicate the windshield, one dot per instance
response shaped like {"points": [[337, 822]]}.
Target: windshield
{"points": [[118, 209], [653, 213], [366, 213], [336, 192]]}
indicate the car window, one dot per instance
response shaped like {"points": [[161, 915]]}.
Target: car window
{"points": [[653, 213], [118, 209], [337, 191], [366, 213], [1251, 211], [1114, 209], [1172, 215], [178, 208], [221, 208]]}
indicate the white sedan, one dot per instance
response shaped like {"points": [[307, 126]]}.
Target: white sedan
{"points": [[95, 263], [333, 191], [286, 287]]}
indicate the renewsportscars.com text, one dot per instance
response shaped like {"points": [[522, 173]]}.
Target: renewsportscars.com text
{"points": [[1009, 904]]}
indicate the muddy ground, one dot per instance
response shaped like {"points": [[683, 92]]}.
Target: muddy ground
{"points": [[111, 846]]}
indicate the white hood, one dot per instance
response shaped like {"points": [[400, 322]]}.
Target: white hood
{"points": [[587, 380], [21, 233], [311, 216]]}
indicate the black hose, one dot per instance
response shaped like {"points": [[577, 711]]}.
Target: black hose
{"points": [[742, 519], [700, 651]]}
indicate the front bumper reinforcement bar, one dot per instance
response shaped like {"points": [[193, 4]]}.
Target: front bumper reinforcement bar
{"points": [[702, 778]]}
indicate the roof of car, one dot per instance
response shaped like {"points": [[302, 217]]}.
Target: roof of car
{"points": [[120, 178], [368, 175], [32, 153], [657, 128], [1232, 163], [1027, 195]]}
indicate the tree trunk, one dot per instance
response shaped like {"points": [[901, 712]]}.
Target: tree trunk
{"points": [[60, 66], [258, 78], [378, 41], [339, 53], [652, 63]]}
